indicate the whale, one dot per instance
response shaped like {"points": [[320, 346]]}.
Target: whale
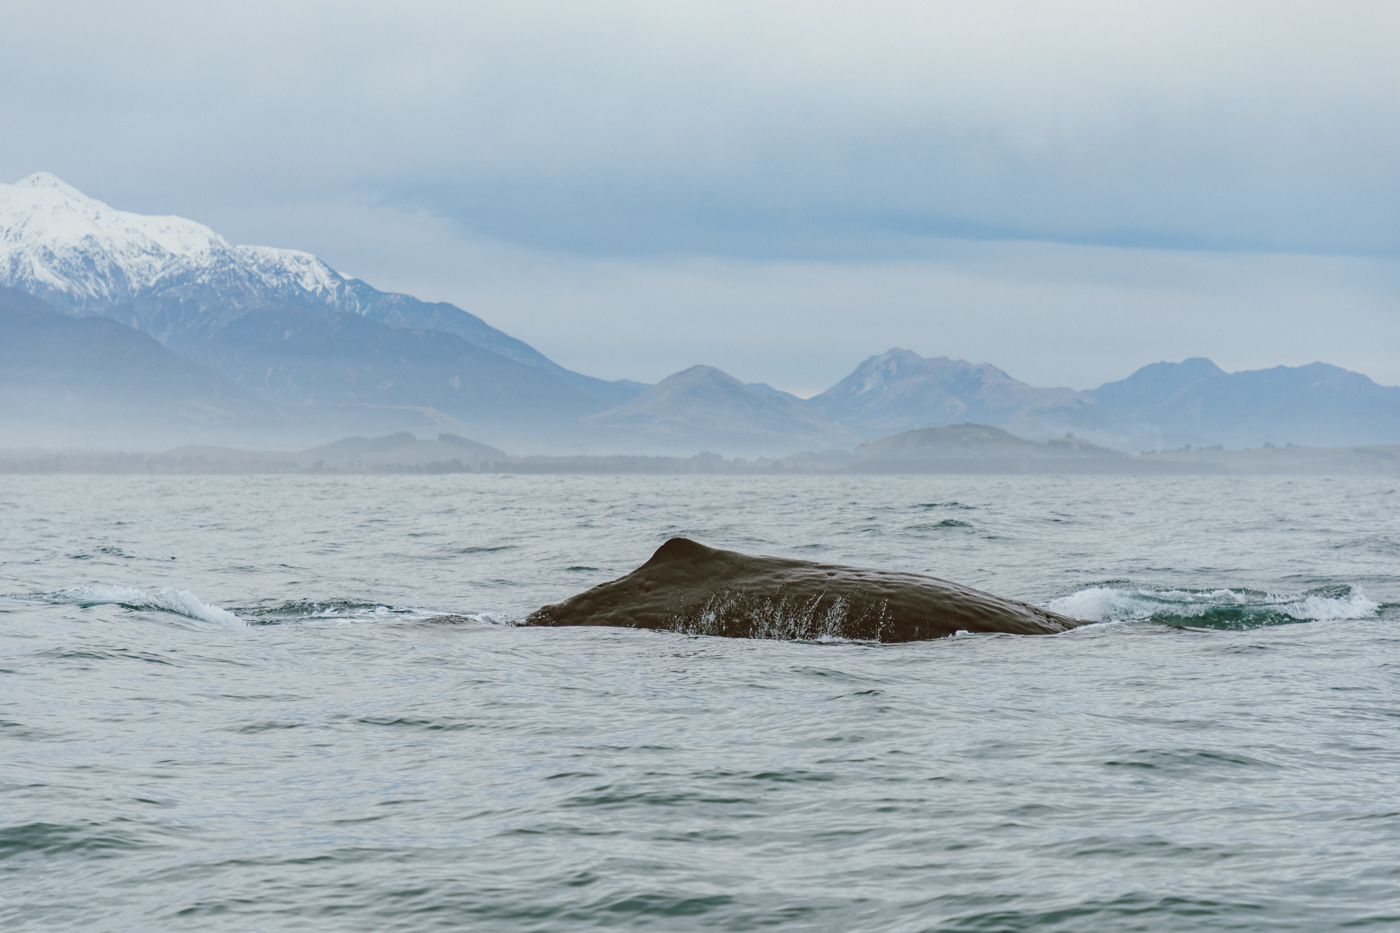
{"points": [[697, 590]]}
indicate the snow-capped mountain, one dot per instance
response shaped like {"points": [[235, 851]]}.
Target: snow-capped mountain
{"points": [[181, 282], [76, 252]]}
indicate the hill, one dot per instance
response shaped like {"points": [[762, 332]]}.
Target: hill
{"points": [[899, 390], [704, 408], [980, 448]]}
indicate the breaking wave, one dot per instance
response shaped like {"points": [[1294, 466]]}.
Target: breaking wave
{"points": [[168, 599], [1220, 609]]}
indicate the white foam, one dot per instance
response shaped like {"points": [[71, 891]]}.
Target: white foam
{"points": [[99, 595], [1111, 604], [1355, 605], [1100, 604], [167, 599]]}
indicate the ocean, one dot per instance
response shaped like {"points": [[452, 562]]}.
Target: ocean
{"points": [[224, 707]]}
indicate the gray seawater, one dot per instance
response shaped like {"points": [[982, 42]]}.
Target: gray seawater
{"points": [[221, 709]]}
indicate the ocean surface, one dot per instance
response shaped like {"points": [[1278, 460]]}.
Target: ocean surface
{"points": [[222, 708]]}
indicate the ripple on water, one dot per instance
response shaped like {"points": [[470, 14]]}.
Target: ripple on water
{"points": [[1199, 767]]}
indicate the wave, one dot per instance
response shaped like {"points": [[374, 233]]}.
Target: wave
{"points": [[1236, 609], [301, 609], [353, 610], [168, 599], [1220, 608]]}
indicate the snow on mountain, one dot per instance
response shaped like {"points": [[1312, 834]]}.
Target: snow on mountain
{"points": [[74, 251], [181, 282]]}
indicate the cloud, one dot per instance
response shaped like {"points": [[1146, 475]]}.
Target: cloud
{"points": [[1049, 314], [1065, 189], [779, 130]]}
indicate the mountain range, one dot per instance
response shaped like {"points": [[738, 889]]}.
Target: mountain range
{"points": [[707, 407], [1196, 402], [282, 324], [121, 327]]}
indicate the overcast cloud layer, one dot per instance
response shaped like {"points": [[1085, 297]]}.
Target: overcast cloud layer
{"points": [[1068, 190]]}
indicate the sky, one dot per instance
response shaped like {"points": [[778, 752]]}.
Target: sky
{"points": [[1068, 190]]}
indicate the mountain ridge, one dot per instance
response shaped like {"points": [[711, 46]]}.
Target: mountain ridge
{"points": [[285, 327], [704, 405], [1196, 402], [899, 390], [182, 282]]}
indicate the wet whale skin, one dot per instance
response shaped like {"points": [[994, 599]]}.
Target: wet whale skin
{"points": [[688, 587]]}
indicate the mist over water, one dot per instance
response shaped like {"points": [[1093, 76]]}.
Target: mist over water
{"points": [[223, 707]]}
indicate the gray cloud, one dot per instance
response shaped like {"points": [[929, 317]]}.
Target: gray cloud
{"points": [[741, 129], [1051, 314], [780, 188]]}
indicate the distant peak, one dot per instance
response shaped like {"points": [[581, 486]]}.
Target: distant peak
{"points": [[700, 370], [1194, 367], [51, 181], [700, 375]]}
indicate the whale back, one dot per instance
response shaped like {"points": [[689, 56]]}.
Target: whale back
{"points": [[688, 587]]}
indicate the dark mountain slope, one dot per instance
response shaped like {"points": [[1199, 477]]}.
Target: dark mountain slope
{"points": [[188, 317], [86, 377], [312, 362]]}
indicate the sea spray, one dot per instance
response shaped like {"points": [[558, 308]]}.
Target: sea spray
{"points": [[167, 599], [1215, 608]]}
